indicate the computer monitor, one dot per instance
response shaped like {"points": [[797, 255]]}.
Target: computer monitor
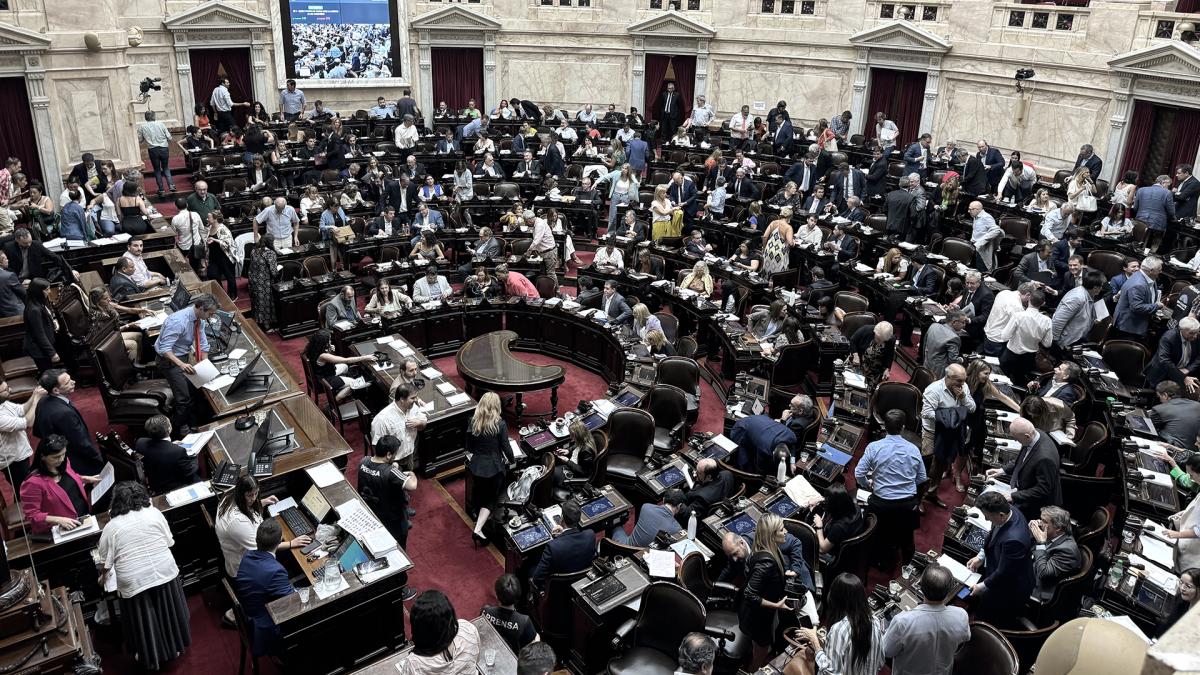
{"points": [[271, 438], [741, 524], [669, 477], [597, 507], [315, 503], [594, 421], [180, 298], [782, 506], [351, 553], [248, 380]]}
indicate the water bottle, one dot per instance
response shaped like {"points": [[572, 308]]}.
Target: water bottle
{"points": [[781, 472], [1116, 572], [691, 530]]}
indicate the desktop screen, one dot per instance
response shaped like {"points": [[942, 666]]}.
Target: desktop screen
{"points": [[531, 536], [340, 39], [316, 503], [783, 506], [669, 477], [597, 507], [741, 524], [353, 555]]}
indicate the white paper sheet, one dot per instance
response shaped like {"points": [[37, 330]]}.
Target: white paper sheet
{"points": [[725, 442], [87, 525], [458, 399], [959, 570], [281, 505], [447, 388], [431, 373], [205, 372], [1158, 551], [219, 382], [108, 477], [237, 353], [386, 339], [189, 494], [661, 563], [1127, 622], [152, 321], [1101, 310], [325, 474]]}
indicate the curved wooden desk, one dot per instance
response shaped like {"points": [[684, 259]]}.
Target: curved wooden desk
{"points": [[486, 363]]}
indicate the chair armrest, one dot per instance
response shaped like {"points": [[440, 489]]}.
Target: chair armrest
{"points": [[623, 632], [156, 395], [720, 633], [677, 430]]}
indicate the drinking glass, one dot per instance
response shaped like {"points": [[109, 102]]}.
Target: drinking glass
{"points": [[907, 571], [894, 587], [489, 657], [305, 593]]}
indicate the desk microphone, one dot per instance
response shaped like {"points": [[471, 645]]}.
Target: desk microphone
{"points": [[246, 419]]}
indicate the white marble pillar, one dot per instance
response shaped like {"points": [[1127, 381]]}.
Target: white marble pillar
{"points": [[43, 127], [701, 83], [490, 97], [637, 95], [929, 105], [183, 69], [264, 90], [425, 77], [858, 99], [1117, 131]]}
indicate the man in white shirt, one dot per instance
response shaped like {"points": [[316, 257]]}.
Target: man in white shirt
{"points": [[701, 115], [222, 105], [189, 228], [543, 244], [739, 124], [587, 116], [984, 234], [404, 420], [609, 256], [886, 132], [142, 274], [566, 133], [1006, 305], [406, 134], [15, 420], [1028, 330], [1055, 224]]}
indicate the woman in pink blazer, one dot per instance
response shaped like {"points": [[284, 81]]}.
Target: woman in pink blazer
{"points": [[54, 494]]}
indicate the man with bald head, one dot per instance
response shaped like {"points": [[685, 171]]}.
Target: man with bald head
{"points": [[713, 485], [202, 202], [985, 235], [281, 222], [941, 428], [1033, 475]]}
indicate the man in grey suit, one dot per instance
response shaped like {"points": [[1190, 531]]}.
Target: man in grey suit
{"points": [[1155, 206], [486, 248], [1177, 357], [1176, 419], [1139, 300], [614, 305], [1038, 267], [1076, 314], [943, 343], [1055, 554], [12, 293], [652, 519], [122, 285]]}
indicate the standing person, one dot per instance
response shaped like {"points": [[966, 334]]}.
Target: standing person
{"points": [[404, 420], [854, 643], [182, 340], [157, 138], [923, 640], [202, 202], [40, 335], [669, 110], [57, 415], [1155, 206], [281, 222], [1004, 563], [942, 427], [292, 102], [490, 454], [1034, 474], [15, 421], [763, 594], [777, 243], [1028, 331], [189, 233], [220, 255], [384, 488], [136, 546], [893, 470], [222, 104], [1137, 302], [263, 268]]}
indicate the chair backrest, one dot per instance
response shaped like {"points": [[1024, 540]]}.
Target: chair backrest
{"points": [[692, 576], [631, 431], [680, 371], [852, 321], [555, 608], [541, 492], [686, 346], [898, 396], [507, 191], [1108, 262], [127, 464], [546, 286], [1028, 643], [1093, 532], [792, 365], [1140, 229], [113, 362], [921, 378], [1082, 456], [667, 614], [958, 249], [610, 547], [853, 556], [849, 301], [750, 481], [233, 185], [808, 538], [239, 614], [667, 404], [987, 652], [321, 311], [388, 253], [1068, 593], [291, 270], [670, 325], [1099, 332], [315, 266], [520, 246], [1082, 495], [1016, 227], [1127, 359]]}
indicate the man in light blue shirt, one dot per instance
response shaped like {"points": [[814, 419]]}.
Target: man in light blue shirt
{"points": [[652, 519], [382, 110], [332, 218], [181, 344], [1054, 225], [72, 223], [281, 222], [701, 115], [892, 469], [924, 639], [472, 128], [292, 102], [587, 115]]}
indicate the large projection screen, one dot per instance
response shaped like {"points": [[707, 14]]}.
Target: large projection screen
{"points": [[340, 39]]}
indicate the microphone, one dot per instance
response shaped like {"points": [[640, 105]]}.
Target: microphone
{"points": [[246, 419]]}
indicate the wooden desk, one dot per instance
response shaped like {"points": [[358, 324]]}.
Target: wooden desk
{"points": [[487, 364], [168, 262], [506, 660]]}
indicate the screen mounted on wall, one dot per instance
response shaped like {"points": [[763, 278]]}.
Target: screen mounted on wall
{"points": [[340, 39]]}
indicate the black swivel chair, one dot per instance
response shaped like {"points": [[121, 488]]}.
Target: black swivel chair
{"points": [[126, 400], [667, 614], [553, 609], [668, 406], [1093, 532], [1028, 642], [897, 396], [630, 442], [987, 652], [719, 603], [682, 372]]}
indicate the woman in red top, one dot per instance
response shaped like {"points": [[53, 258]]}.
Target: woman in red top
{"points": [[54, 494]]}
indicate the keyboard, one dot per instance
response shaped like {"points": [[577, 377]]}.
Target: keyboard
{"points": [[296, 521], [604, 590]]}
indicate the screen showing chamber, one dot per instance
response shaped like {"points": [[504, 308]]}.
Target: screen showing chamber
{"points": [[594, 421], [597, 507], [628, 398], [340, 39], [714, 451], [974, 537], [783, 506]]}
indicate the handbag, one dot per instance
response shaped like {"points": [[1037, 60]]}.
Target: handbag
{"points": [[1086, 202], [803, 660]]}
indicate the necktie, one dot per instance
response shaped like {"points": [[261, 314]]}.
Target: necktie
{"points": [[967, 298], [1013, 482], [737, 188], [667, 107], [196, 340], [849, 185]]}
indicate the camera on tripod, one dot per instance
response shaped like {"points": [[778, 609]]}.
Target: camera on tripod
{"points": [[150, 84]]}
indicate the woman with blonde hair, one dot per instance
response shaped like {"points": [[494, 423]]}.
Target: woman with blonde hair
{"points": [[763, 595], [656, 340], [1080, 189], [644, 321], [1041, 200], [666, 220], [488, 454], [577, 458], [893, 263], [777, 243], [699, 280]]}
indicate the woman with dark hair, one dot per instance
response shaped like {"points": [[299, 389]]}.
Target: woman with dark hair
{"points": [[39, 326], [443, 644], [318, 352], [261, 268], [1126, 189], [854, 643], [1186, 598], [135, 215], [220, 254], [136, 547], [53, 494], [842, 520], [238, 516], [386, 300], [200, 119], [258, 114]]}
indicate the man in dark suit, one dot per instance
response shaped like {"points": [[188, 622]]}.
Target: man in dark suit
{"points": [[1037, 266], [1176, 419], [1187, 189], [974, 179], [682, 192], [924, 278], [877, 175], [900, 208], [528, 167], [1033, 475], [669, 110], [1155, 206], [993, 164], [854, 212], [845, 246], [979, 299], [1007, 575], [1056, 555], [56, 414], [571, 550], [167, 465], [742, 187], [614, 306], [83, 172], [803, 173], [260, 579], [1087, 157], [386, 223], [1071, 244], [1076, 313], [1178, 356], [632, 228], [784, 139], [713, 485], [122, 285], [1140, 298], [401, 194], [848, 181], [526, 110], [916, 157], [12, 293], [29, 259]]}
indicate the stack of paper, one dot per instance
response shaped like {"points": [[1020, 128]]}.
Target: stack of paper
{"points": [[189, 494], [660, 563], [205, 372], [193, 443], [458, 399], [959, 570], [431, 373], [152, 321], [800, 491], [87, 525]]}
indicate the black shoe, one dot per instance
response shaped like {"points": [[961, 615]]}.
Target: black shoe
{"points": [[936, 501], [407, 594], [479, 539]]}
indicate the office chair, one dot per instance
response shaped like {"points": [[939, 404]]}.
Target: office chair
{"points": [[552, 611], [901, 396], [959, 250], [719, 606], [244, 629], [1082, 458], [126, 400], [849, 301], [987, 652], [682, 372], [668, 406], [921, 377], [1093, 532], [1027, 642], [668, 612], [630, 442], [853, 556], [853, 321]]}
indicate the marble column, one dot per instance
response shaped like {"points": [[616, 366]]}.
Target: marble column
{"points": [[929, 105], [490, 98], [638, 94], [183, 68], [263, 89], [858, 99], [1116, 134], [701, 83], [425, 77], [43, 127]]}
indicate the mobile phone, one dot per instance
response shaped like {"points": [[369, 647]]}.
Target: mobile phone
{"points": [[311, 547], [364, 568]]}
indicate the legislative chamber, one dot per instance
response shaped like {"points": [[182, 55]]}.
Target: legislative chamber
{"points": [[519, 337]]}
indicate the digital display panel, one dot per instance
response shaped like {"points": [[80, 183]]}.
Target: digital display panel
{"points": [[669, 477], [340, 39], [742, 524], [598, 507]]}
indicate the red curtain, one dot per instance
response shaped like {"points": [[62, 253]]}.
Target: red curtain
{"points": [[17, 137], [1137, 141], [209, 64], [458, 77], [660, 68], [899, 94], [1184, 141]]}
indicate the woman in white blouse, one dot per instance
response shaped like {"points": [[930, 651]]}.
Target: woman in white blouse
{"points": [[135, 548], [811, 234], [238, 517], [311, 203], [1041, 200], [484, 144], [1115, 223], [1081, 184], [386, 300]]}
